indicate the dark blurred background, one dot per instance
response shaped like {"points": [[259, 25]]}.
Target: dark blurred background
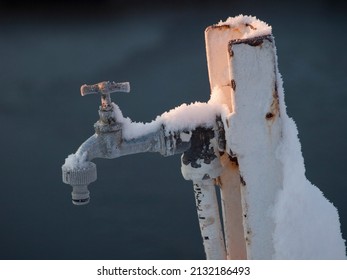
{"points": [[141, 207]]}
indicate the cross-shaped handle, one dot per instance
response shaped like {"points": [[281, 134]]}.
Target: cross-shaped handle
{"points": [[104, 89]]}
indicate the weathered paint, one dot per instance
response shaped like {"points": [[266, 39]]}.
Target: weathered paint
{"points": [[217, 39], [256, 116], [245, 71]]}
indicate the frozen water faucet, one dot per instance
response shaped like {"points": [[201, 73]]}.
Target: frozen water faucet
{"points": [[108, 142], [238, 141], [78, 170]]}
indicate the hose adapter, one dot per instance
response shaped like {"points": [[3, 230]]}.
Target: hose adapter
{"points": [[79, 178]]}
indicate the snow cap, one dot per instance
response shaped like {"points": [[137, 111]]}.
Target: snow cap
{"points": [[247, 26]]}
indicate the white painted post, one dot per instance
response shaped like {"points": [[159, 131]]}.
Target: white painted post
{"points": [[242, 70], [256, 117]]}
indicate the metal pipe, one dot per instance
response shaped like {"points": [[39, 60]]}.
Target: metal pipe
{"points": [[209, 219]]}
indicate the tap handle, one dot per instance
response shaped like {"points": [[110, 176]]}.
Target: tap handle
{"points": [[104, 89]]}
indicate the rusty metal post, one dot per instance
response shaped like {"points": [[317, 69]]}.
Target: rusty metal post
{"points": [[217, 39], [242, 71]]}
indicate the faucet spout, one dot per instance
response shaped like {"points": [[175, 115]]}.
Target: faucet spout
{"points": [[79, 170]]}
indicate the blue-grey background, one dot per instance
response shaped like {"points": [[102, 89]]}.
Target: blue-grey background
{"points": [[141, 207]]}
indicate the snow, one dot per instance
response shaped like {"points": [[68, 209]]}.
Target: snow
{"points": [[188, 117], [240, 25], [76, 161], [184, 117], [307, 224], [132, 129]]}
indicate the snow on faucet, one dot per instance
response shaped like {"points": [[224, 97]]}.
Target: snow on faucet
{"points": [[116, 136]]}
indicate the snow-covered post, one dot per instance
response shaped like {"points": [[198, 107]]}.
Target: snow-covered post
{"points": [[265, 194], [242, 68], [255, 133]]}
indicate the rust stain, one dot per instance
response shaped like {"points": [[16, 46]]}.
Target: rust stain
{"points": [[242, 181], [220, 27], [254, 42], [232, 164], [218, 181], [230, 48], [233, 158], [248, 236], [274, 107], [269, 116], [251, 26], [233, 84]]}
